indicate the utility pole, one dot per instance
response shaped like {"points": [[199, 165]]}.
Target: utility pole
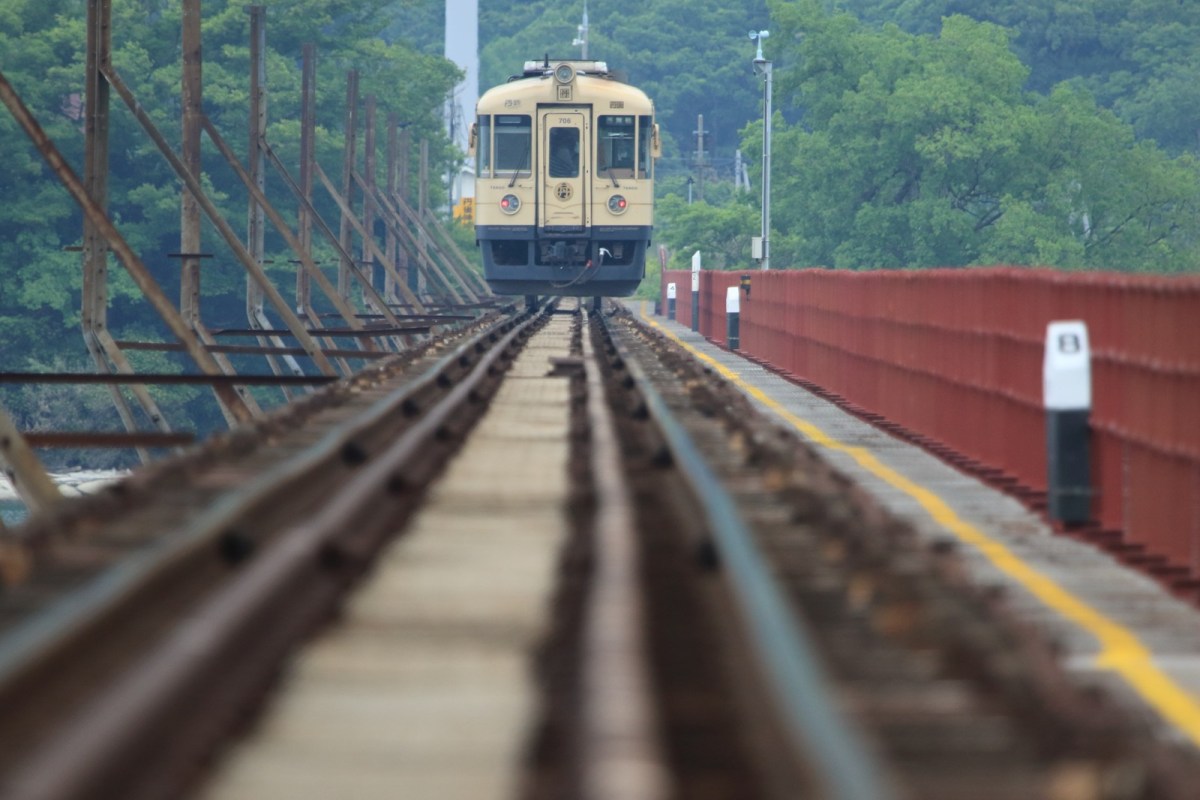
{"points": [[582, 39], [699, 132], [741, 178]]}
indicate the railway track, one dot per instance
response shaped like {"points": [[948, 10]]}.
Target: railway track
{"points": [[944, 694], [715, 581], [153, 615]]}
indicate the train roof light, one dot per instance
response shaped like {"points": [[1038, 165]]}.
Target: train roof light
{"points": [[564, 73]]}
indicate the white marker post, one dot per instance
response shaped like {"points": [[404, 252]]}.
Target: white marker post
{"points": [[1067, 394], [696, 291], [670, 301], [733, 305]]}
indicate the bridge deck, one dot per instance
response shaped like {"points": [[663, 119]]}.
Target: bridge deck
{"points": [[1118, 628]]}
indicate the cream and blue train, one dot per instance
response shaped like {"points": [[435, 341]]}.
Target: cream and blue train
{"points": [[564, 187]]}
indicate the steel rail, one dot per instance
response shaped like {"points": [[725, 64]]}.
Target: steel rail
{"points": [[81, 439], [251, 350], [619, 745], [222, 515], [328, 332], [122, 720], [841, 760], [116, 727]]}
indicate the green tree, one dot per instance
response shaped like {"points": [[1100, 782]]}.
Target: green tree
{"points": [[1138, 57], [721, 233], [911, 150]]}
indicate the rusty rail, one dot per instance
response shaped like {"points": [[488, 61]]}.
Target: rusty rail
{"points": [[621, 752], [845, 766], [255, 568], [899, 626]]}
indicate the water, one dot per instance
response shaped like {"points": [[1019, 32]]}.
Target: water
{"points": [[12, 511]]}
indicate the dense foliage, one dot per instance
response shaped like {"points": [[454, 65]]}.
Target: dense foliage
{"points": [[928, 150], [1139, 57], [42, 53], [936, 145]]}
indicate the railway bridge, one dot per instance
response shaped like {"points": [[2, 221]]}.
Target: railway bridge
{"points": [[789, 534]]}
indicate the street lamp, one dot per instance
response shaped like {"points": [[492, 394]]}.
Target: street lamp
{"points": [[763, 67]]}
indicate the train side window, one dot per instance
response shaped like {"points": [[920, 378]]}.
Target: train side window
{"points": [[615, 146], [514, 144], [483, 146], [564, 152], [645, 151]]}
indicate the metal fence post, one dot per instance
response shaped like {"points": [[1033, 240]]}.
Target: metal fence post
{"points": [[1067, 392], [733, 300], [696, 291]]}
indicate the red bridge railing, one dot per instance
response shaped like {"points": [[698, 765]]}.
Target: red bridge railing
{"points": [[955, 356]]}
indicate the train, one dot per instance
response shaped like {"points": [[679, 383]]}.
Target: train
{"points": [[564, 181]]}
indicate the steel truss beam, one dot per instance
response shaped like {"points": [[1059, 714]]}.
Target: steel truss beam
{"points": [[399, 215], [96, 216], [408, 238], [255, 222], [105, 354]]}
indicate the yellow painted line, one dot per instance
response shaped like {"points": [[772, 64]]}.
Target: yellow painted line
{"points": [[1121, 652]]}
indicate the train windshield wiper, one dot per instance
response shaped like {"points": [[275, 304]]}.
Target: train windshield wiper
{"points": [[524, 166], [611, 177]]}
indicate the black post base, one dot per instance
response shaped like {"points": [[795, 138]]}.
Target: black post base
{"points": [[1068, 466]]}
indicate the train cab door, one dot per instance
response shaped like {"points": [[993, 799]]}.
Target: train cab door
{"points": [[564, 168]]}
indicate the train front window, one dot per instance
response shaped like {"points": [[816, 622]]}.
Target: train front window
{"points": [[564, 152], [514, 144], [645, 133], [615, 146], [483, 146]]}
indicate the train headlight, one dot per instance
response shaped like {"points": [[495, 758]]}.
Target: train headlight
{"points": [[510, 204], [617, 204], [564, 73]]}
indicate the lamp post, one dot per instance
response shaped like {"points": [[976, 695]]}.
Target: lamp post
{"points": [[763, 67]]}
